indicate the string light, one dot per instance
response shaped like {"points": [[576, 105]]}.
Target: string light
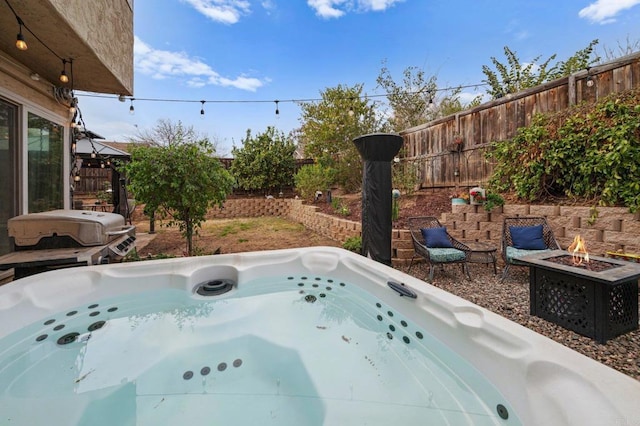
{"points": [[202, 110], [590, 81], [255, 101], [21, 43], [64, 78], [277, 110], [132, 110]]}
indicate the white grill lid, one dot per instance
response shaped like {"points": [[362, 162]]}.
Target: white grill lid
{"points": [[88, 228]]}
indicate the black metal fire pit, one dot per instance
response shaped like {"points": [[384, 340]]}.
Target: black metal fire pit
{"points": [[600, 304]]}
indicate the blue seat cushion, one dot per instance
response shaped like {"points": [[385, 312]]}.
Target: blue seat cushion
{"points": [[436, 237], [514, 253], [445, 255], [527, 237]]}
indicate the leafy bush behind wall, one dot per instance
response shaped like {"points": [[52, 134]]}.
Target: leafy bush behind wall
{"points": [[590, 151]]}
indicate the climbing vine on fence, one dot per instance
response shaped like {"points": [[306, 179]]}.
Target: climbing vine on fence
{"points": [[590, 151]]}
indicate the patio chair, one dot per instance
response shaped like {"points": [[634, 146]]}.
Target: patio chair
{"points": [[435, 245], [522, 236]]}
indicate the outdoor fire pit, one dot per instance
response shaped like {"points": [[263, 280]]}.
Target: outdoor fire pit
{"points": [[598, 298]]}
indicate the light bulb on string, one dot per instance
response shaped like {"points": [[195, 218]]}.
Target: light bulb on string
{"points": [[590, 81], [21, 43], [64, 78], [202, 110], [132, 110], [277, 110]]}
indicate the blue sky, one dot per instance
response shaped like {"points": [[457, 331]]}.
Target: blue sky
{"points": [[242, 55]]}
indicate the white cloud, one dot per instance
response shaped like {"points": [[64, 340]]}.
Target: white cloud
{"points": [[326, 9], [336, 8], [163, 64], [604, 11], [225, 11]]}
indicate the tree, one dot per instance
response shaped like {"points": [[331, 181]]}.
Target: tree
{"points": [[628, 48], [180, 181], [264, 162], [581, 60], [416, 100], [451, 103], [330, 125], [514, 76], [166, 132], [411, 103]]}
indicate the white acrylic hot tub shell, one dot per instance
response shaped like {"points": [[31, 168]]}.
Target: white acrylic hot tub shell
{"points": [[545, 382]]}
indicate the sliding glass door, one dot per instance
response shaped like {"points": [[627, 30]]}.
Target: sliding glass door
{"points": [[8, 169], [45, 160]]}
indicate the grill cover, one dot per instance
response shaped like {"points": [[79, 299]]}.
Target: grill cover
{"points": [[87, 228]]}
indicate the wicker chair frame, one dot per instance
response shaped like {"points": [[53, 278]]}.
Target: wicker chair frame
{"points": [[507, 241], [420, 249]]}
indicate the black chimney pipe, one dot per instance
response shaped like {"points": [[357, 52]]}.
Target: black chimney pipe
{"points": [[377, 150]]}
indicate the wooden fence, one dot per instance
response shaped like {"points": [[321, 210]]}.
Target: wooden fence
{"points": [[444, 163]]}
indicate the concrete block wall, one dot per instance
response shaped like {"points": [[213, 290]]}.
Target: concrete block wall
{"points": [[251, 207], [336, 228], [614, 229]]}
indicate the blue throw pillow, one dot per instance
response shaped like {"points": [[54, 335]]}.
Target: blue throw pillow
{"points": [[527, 237], [436, 237]]}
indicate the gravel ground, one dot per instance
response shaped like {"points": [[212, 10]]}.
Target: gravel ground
{"points": [[510, 299]]}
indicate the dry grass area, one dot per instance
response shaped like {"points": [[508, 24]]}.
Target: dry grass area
{"points": [[233, 236]]}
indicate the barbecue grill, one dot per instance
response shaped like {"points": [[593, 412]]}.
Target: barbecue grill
{"points": [[66, 238]]}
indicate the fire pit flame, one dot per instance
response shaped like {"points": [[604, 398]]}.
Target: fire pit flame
{"points": [[578, 250]]}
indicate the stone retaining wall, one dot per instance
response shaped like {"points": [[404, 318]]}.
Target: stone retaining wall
{"points": [[615, 228]]}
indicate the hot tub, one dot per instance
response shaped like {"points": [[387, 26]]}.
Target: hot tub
{"points": [[315, 336]]}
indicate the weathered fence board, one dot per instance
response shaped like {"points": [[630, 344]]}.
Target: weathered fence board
{"points": [[431, 146]]}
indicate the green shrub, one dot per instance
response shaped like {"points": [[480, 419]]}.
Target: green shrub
{"points": [[493, 200], [353, 244], [404, 176], [312, 178], [339, 207], [590, 151]]}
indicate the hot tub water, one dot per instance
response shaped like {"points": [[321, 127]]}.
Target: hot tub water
{"points": [[290, 348]]}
